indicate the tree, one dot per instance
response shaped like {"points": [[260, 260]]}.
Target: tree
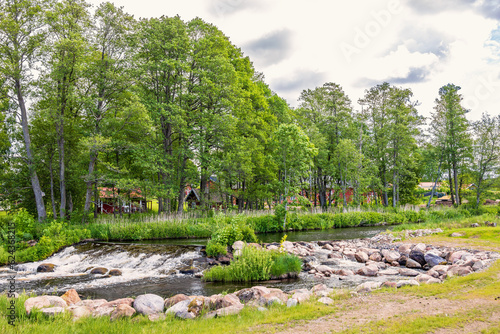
{"points": [[449, 129], [107, 71], [293, 153], [327, 116], [485, 153], [392, 124], [22, 35], [67, 48]]}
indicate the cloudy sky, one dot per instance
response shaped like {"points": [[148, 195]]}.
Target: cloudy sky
{"points": [[417, 44]]}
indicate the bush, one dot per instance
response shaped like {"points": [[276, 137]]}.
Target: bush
{"points": [[214, 249], [254, 265]]}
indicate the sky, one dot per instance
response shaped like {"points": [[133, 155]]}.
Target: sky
{"points": [[417, 44]]}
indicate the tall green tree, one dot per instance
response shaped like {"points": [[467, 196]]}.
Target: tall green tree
{"points": [[328, 115], [485, 153], [293, 153], [109, 80], [449, 129], [22, 35], [67, 49], [392, 124]]}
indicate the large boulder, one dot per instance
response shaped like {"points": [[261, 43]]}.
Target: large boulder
{"points": [[179, 307], [230, 310], [455, 256], [344, 272], [390, 256], [375, 256], [369, 270], [92, 304], [238, 247], [42, 302], [115, 272], [175, 299], [368, 287], [45, 268], [402, 283], [122, 311], [458, 271], [148, 304], [361, 257], [121, 301], [412, 264], [99, 271], [434, 260], [52, 311], [419, 248], [254, 293], [408, 272], [79, 312], [405, 249], [441, 269], [71, 297], [418, 256]]}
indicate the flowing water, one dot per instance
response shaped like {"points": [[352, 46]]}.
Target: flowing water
{"points": [[157, 266]]}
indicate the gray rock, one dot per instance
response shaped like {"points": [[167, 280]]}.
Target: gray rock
{"points": [[180, 306], [390, 256], [400, 284], [370, 270], [148, 304], [412, 264], [185, 314], [418, 256], [361, 257], [408, 272], [52, 311], [44, 301], [79, 312], [419, 247], [291, 302], [434, 260], [478, 265]]}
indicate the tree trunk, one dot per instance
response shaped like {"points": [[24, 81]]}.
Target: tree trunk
{"points": [[35, 183], [435, 183], [455, 179], [90, 181], [451, 187], [52, 196], [62, 169], [182, 186]]}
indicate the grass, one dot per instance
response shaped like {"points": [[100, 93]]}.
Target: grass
{"points": [[418, 324], [480, 286], [277, 314]]}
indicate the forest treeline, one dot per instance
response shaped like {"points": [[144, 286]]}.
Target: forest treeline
{"points": [[92, 97]]}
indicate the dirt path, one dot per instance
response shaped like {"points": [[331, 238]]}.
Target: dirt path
{"points": [[361, 310]]}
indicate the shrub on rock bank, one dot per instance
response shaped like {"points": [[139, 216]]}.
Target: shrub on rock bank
{"points": [[255, 264]]}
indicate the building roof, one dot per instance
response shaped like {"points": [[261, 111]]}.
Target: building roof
{"points": [[105, 192]]}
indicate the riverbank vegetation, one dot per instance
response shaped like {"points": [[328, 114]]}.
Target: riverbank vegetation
{"points": [[254, 264], [460, 303], [222, 229]]}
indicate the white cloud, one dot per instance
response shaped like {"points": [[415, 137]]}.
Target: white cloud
{"points": [[421, 45]]}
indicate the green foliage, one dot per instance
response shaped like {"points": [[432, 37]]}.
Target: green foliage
{"points": [[214, 249], [254, 265]]}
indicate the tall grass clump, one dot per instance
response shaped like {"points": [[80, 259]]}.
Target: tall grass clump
{"points": [[254, 265]]}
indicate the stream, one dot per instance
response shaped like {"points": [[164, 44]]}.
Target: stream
{"points": [[155, 266]]}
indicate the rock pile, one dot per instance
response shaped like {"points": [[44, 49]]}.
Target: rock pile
{"points": [[180, 306], [376, 259]]}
